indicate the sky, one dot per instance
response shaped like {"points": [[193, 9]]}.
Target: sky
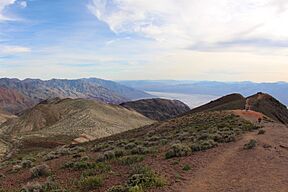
{"points": [[223, 40]]}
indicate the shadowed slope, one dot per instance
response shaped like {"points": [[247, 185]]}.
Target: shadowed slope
{"points": [[158, 109]]}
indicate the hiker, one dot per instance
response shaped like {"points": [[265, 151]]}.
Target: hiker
{"points": [[259, 120]]}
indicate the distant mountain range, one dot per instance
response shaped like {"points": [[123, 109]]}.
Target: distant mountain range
{"points": [[17, 95], [278, 89]]}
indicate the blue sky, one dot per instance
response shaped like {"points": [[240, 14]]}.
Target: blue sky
{"points": [[143, 39]]}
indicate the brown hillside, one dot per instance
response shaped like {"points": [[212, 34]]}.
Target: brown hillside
{"points": [[158, 109], [269, 106], [13, 101], [228, 102], [75, 117]]}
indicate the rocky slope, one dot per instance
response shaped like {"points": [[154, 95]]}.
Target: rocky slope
{"points": [[13, 101], [73, 117], [31, 91], [269, 106], [158, 109]]}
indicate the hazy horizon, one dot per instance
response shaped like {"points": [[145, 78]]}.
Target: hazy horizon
{"points": [[122, 39]]}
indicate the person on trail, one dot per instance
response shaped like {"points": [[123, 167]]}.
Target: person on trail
{"points": [[259, 120]]}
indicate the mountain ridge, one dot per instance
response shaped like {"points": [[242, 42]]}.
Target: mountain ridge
{"points": [[36, 90]]}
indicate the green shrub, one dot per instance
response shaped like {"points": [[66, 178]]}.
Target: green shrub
{"points": [[32, 187], [144, 177], [178, 150], [251, 144], [118, 188], [26, 164], [85, 158], [40, 170], [131, 159], [119, 152], [203, 145], [261, 132], [130, 145], [186, 167], [135, 189], [109, 155], [82, 165], [140, 150], [92, 182]]}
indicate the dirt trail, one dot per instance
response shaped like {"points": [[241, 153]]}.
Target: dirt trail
{"points": [[263, 169]]}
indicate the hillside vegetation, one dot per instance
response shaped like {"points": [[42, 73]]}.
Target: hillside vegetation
{"points": [[121, 162]]}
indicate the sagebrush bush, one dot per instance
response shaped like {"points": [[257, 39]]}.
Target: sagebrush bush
{"points": [[118, 188], [178, 150], [140, 150], [40, 170], [144, 177], [92, 182], [32, 187], [26, 164], [131, 159], [251, 144], [186, 167], [261, 132]]}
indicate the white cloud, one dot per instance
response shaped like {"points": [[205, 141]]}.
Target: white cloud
{"points": [[3, 5], [187, 23], [23, 4], [10, 50]]}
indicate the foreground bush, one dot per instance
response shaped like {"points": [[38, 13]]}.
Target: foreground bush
{"points": [[40, 170], [251, 144], [92, 182], [144, 177], [178, 150]]}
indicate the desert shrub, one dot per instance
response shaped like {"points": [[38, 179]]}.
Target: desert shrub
{"points": [[163, 141], [32, 187], [140, 150], [92, 182], [130, 145], [203, 136], [154, 138], [119, 152], [51, 156], [131, 159], [16, 168], [178, 150], [83, 165], [109, 155], [40, 170], [145, 177], [118, 188], [2, 175], [135, 189], [102, 146], [261, 132], [85, 158], [251, 144], [203, 145], [186, 167], [79, 165], [26, 164]]}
